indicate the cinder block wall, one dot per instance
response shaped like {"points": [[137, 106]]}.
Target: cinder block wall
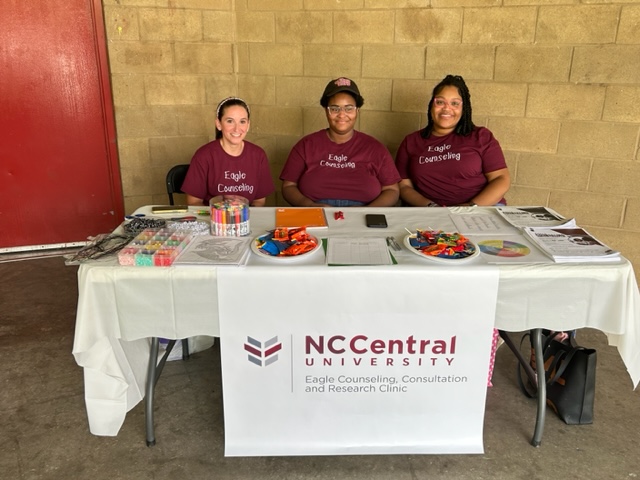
{"points": [[557, 81]]}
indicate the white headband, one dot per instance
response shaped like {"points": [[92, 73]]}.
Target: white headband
{"points": [[228, 99]]}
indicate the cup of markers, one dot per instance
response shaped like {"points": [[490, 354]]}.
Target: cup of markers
{"points": [[229, 216]]}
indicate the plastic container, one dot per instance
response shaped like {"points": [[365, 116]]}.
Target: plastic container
{"points": [[229, 216], [154, 247]]}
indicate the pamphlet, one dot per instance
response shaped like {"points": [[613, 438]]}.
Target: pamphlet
{"points": [[534, 217], [570, 244], [211, 250], [301, 217]]}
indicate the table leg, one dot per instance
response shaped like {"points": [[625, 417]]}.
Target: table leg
{"points": [[149, 387], [541, 389], [536, 335], [154, 369], [185, 349]]}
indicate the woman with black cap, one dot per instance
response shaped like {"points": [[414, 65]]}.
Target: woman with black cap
{"points": [[339, 166]]}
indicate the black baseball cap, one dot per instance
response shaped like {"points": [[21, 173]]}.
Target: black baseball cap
{"points": [[342, 84]]}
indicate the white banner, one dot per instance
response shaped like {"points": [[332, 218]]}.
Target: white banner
{"points": [[326, 361]]}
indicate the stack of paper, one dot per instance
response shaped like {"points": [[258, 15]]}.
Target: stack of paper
{"points": [[570, 244]]}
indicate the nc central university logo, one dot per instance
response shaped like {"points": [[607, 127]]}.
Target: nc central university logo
{"points": [[263, 354]]}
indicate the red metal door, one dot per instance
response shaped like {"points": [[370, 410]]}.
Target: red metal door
{"points": [[59, 175]]}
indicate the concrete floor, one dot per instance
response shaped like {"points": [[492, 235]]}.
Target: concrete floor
{"points": [[44, 432]]}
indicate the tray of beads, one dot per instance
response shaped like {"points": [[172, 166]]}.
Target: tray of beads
{"points": [[154, 247], [443, 247]]}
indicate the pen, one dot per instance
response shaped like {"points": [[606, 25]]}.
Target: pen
{"points": [[392, 243]]}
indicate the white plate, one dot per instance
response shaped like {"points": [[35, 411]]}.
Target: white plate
{"points": [[450, 261], [284, 258]]}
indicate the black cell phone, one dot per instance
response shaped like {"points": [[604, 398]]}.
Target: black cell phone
{"points": [[375, 220]]}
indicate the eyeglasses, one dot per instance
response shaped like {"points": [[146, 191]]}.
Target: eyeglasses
{"points": [[440, 102], [336, 109]]}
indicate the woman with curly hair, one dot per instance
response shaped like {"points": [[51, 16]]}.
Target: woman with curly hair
{"points": [[451, 161]]}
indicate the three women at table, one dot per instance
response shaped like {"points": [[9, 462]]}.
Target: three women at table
{"points": [[451, 161], [339, 166], [230, 165]]}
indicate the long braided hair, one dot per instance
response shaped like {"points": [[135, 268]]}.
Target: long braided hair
{"points": [[465, 126]]}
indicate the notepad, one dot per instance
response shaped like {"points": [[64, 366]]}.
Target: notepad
{"points": [[301, 217]]}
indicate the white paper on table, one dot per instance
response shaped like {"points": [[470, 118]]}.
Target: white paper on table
{"points": [[358, 251], [481, 224], [212, 250]]}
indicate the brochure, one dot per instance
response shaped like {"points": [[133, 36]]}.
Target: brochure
{"points": [[301, 217], [533, 217], [570, 244]]}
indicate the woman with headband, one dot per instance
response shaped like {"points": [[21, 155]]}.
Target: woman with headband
{"points": [[229, 165]]}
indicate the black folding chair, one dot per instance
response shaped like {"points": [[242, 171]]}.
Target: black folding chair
{"points": [[175, 177]]}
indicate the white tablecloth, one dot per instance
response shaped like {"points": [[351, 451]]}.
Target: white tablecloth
{"points": [[119, 308]]}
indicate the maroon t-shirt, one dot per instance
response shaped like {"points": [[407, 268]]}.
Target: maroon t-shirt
{"points": [[214, 172], [450, 169], [356, 170]]}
